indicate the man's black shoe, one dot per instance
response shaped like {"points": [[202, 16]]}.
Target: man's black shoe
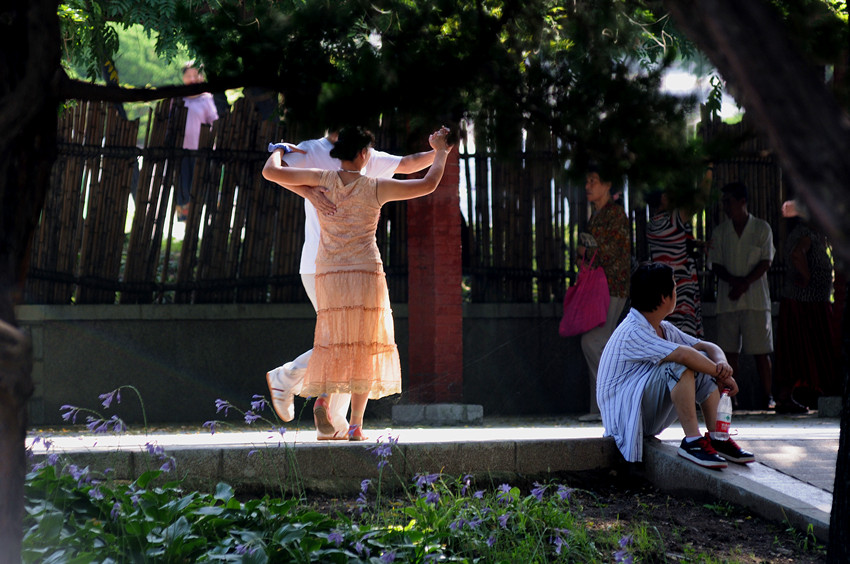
{"points": [[730, 450], [701, 452]]}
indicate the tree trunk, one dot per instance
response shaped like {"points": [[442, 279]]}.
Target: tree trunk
{"points": [[29, 61], [809, 131]]}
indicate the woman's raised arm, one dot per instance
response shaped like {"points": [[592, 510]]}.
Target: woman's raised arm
{"points": [[390, 190]]}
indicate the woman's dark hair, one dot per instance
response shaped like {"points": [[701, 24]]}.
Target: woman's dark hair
{"points": [[651, 283], [606, 174], [350, 142]]}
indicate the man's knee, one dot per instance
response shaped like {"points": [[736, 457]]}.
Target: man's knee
{"points": [[685, 382]]}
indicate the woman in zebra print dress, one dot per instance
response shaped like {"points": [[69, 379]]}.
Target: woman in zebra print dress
{"points": [[669, 235]]}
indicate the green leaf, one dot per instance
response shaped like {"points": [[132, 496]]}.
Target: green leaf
{"points": [[223, 492], [177, 530], [145, 479]]}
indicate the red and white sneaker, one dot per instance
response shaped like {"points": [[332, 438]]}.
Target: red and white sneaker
{"points": [[730, 450]]}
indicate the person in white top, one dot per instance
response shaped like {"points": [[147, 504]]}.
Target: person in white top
{"points": [[285, 381], [740, 254], [652, 373]]}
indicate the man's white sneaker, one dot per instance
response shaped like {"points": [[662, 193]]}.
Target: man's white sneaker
{"points": [[282, 398]]}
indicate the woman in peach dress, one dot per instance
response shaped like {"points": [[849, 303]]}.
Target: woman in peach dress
{"points": [[354, 349]]}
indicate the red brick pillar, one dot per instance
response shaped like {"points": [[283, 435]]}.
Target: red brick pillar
{"points": [[434, 297]]}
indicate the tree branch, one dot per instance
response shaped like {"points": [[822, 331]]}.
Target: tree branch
{"points": [[73, 89]]}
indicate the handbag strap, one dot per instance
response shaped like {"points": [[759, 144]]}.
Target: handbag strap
{"points": [[593, 258]]}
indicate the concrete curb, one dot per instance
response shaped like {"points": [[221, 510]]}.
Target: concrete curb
{"points": [[338, 468], [755, 486]]}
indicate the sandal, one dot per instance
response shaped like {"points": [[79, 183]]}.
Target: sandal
{"points": [[355, 433], [322, 416]]}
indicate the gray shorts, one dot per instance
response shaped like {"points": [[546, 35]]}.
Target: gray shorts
{"points": [[748, 331], [657, 408]]}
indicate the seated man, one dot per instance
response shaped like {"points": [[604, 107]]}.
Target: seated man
{"points": [[651, 374]]}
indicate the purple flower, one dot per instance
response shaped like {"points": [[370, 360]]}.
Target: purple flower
{"points": [[361, 549], [364, 485], [252, 452], [97, 426], [116, 510], [504, 494], [491, 541], [70, 414], [456, 524], [626, 541], [154, 449], [259, 403], [538, 491], [222, 404], [211, 425], [135, 500], [388, 556], [559, 544], [95, 493], [108, 397], [118, 425], [246, 549], [467, 481], [335, 537], [250, 417], [479, 494], [382, 450], [623, 556], [423, 479], [564, 493], [169, 465], [503, 520], [432, 497]]}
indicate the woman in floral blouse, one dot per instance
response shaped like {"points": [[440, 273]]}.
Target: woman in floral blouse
{"points": [[609, 231]]}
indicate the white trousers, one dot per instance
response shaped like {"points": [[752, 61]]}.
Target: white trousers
{"points": [[293, 377]]}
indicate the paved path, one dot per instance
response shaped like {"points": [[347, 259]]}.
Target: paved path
{"points": [[791, 479]]}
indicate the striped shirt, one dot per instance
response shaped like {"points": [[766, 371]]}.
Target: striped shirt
{"points": [[630, 356]]}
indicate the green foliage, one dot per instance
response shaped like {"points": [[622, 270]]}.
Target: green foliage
{"points": [[588, 72], [73, 518], [90, 38], [139, 63]]}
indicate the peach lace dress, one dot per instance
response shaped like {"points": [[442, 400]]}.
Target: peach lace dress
{"points": [[354, 347]]}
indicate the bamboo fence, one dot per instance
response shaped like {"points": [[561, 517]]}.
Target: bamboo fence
{"points": [[243, 236]]}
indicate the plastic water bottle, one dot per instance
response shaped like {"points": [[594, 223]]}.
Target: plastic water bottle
{"points": [[724, 416]]}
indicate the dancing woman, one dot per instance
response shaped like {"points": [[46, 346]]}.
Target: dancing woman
{"points": [[354, 349]]}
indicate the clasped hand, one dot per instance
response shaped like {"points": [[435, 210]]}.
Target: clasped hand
{"points": [[439, 139], [724, 379]]}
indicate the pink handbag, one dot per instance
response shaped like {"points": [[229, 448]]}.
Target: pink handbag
{"points": [[586, 302]]}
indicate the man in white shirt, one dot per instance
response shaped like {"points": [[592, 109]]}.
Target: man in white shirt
{"points": [[651, 373], [330, 415], [740, 255]]}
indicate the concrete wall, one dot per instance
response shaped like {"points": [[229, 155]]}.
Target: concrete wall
{"points": [[184, 357]]}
